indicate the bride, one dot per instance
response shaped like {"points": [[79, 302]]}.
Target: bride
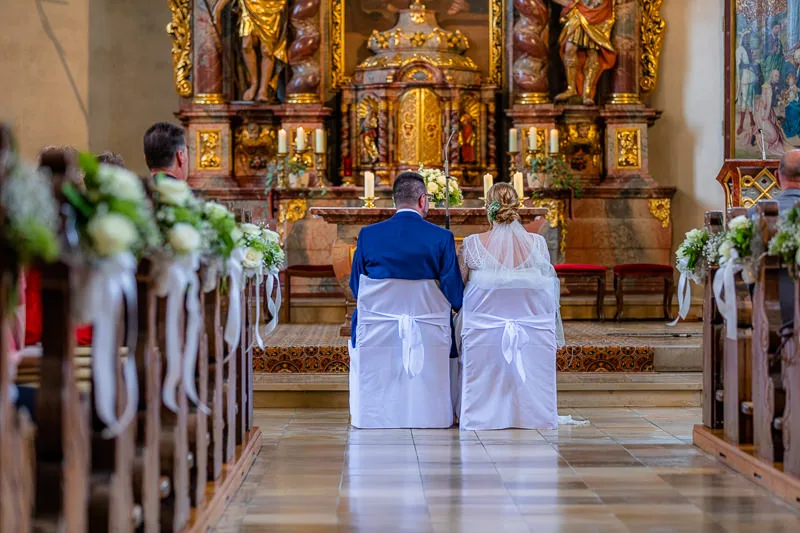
{"points": [[510, 326]]}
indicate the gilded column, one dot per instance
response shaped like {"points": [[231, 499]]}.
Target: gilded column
{"points": [[491, 149], [454, 154], [625, 38], [383, 133], [180, 30], [530, 47], [207, 57], [303, 87]]}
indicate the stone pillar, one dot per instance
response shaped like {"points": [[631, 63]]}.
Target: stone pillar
{"points": [[303, 54], [530, 38], [627, 162], [207, 51], [625, 38]]}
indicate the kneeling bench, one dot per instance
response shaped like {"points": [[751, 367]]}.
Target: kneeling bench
{"points": [[644, 270], [583, 271]]}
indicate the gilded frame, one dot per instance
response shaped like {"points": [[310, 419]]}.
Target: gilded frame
{"points": [[338, 76]]}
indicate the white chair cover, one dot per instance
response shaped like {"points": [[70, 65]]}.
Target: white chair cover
{"points": [[509, 357], [399, 371]]}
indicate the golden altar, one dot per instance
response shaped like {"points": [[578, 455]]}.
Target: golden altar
{"points": [[350, 220]]}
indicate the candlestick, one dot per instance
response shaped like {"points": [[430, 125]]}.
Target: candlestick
{"points": [[321, 166], [369, 185], [513, 147], [300, 139], [532, 140], [320, 144], [369, 201], [283, 145], [488, 181], [554, 141], [519, 187]]}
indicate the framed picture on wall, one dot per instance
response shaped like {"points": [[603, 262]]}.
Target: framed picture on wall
{"points": [[762, 78]]}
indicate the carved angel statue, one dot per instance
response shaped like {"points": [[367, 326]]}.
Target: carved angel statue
{"points": [[261, 24], [586, 48]]}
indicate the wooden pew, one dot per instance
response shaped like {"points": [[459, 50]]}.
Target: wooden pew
{"points": [[791, 383], [216, 354], [768, 397], [198, 420], [713, 340]]}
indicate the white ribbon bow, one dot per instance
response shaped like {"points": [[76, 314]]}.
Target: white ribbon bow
{"points": [[684, 299], [233, 324], [181, 286], [725, 294], [112, 280], [413, 349], [514, 338], [273, 305]]}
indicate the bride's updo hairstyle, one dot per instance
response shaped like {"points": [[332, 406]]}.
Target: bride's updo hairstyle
{"points": [[501, 204]]}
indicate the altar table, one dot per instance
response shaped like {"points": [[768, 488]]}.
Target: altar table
{"points": [[350, 220]]}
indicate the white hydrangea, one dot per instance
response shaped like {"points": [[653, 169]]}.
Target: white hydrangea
{"points": [[270, 236], [111, 233], [120, 183], [183, 238], [215, 211], [739, 223], [250, 229], [173, 192]]}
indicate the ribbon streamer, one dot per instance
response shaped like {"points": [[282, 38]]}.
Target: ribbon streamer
{"points": [[112, 280], [684, 299], [725, 294], [233, 324], [514, 338], [273, 306], [193, 325]]}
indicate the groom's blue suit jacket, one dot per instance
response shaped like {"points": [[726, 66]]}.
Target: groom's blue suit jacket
{"points": [[407, 247]]}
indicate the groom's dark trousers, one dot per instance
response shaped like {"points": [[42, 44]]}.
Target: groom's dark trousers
{"points": [[407, 247]]}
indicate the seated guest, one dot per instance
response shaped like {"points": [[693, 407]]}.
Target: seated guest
{"points": [[165, 151], [110, 158], [789, 180]]}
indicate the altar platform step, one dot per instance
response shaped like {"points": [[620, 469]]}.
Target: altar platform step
{"points": [[575, 389]]}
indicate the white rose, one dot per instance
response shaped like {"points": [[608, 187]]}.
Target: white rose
{"points": [[215, 211], [250, 229], [252, 258], [270, 236], [173, 192], [236, 235], [738, 223], [432, 187], [120, 183], [725, 250], [440, 180], [111, 233], [183, 238]]}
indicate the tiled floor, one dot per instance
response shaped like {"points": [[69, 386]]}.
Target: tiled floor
{"points": [[630, 470]]}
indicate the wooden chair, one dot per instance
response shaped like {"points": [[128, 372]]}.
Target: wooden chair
{"points": [[304, 271], [644, 270], [595, 273]]}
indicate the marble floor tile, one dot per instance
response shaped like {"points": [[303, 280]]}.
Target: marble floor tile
{"points": [[628, 471]]}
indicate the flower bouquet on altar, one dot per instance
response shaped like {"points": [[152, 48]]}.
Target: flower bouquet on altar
{"points": [[263, 258], [115, 224], [436, 183]]}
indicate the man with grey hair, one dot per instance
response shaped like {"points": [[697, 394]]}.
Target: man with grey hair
{"points": [[408, 247]]}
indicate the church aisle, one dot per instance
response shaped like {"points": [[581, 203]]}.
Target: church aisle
{"points": [[630, 470]]}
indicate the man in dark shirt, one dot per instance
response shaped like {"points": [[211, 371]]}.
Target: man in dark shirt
{"points": [[165, 151]]}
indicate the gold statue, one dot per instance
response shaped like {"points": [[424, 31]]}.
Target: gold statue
{"points": [[261, 24], [586, 48]]}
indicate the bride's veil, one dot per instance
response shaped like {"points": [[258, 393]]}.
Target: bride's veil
{"points": [[509, 256]]}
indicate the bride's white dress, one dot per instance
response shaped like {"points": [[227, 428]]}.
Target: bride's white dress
{"points": [[508, 331]]}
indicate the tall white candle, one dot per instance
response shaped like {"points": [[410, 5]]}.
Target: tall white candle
{"points": [[300, 140], [369, 185], [488, 181], [554, 141], [283, 144], [513, 147], [532, 139], [518, 185], [320, 141]]}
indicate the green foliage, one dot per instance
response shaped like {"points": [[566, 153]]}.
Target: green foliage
{"points": [[560, 173]]}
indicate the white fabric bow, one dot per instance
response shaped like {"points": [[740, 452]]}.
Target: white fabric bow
{"points": [[273, 305], [725, 294], [233, 324], [113, 279], [413, 349], [514, 338], [684, 299]]}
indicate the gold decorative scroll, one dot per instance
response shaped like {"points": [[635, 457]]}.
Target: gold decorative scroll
{"points": [[628, 148], [651, 41], [289, 212], [556, 217], [496, 42], [337, 44], [180, 29], [208, 150], [661, 208]]}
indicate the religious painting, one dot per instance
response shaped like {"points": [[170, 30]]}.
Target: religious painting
{"points": [[762, 89], [472, 17]]}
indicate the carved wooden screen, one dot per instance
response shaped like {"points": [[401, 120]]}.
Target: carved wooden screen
{"points": [[745, 182]]}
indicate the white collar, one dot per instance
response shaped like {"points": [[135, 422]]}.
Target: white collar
{"points": [[407, 210]]}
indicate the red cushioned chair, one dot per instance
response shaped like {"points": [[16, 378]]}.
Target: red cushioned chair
{"points": [[644, 270], [591, 272]]}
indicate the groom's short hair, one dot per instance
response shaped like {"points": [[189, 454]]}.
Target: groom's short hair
{"points": [[408, 187]]}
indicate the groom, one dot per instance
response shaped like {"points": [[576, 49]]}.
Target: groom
{"points": [[408, 247]]}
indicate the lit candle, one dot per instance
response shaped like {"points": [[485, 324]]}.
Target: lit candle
{"points": [[518, 185], [532, 139], [513, 147], [320, 138], [369, 185], [554, 141], [488, 181], [283, 145], [300, 140]]}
